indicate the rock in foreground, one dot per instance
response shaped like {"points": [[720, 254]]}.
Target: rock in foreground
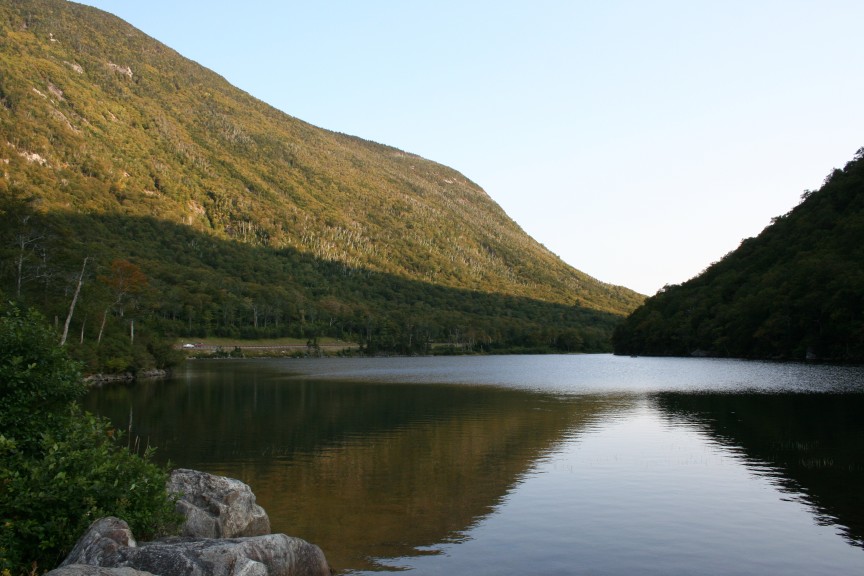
{"points": [[216, 506], [108, 543], [87, 570]]}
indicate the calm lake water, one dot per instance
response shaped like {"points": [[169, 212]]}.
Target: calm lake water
{"points": [[498, 465]]}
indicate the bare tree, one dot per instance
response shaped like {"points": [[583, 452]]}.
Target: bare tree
{"points": [[72, 305], [27, 243]]}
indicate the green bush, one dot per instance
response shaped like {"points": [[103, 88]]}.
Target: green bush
{"points": [[37, 379], [61, 468]]}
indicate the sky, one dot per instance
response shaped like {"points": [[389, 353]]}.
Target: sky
{"points": [[640, 141]]}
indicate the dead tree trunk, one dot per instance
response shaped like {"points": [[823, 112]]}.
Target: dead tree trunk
{"points": [[102, 326], [74, 301]]}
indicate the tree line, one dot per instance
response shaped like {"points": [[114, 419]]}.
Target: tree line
{"points": [[122, 289]]}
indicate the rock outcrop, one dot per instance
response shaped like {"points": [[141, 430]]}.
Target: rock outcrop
{"points": [[216, 506], [225, 534]]}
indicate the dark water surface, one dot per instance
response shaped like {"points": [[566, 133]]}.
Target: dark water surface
{"points": [[530, 464]]}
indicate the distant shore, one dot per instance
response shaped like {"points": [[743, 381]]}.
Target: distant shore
{"points": [[97, 380], [276, 347]]}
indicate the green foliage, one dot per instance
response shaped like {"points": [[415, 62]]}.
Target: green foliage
{"points": [[115, 136], [61, 468], [36, 377], [794, 292]]}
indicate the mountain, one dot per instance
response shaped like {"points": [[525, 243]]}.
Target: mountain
{"points": [[796, 291], [244, 220]]}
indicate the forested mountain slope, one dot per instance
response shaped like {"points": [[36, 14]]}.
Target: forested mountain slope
{"points": [[115, 147], [796, 291]]}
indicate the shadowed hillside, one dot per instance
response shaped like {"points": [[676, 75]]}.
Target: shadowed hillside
{"points": [[796, 291], [195, 285]]}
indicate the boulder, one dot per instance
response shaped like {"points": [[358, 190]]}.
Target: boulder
{"points": [[216, 506], [108, 543], [87, 570], [102, 540], [270, 555]]}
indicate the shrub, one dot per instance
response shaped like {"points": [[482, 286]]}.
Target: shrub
{"points": [[61, 468], [37, 379]]}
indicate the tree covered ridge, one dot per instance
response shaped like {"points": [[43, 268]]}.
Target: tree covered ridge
{"points": [[168, 280], [796, 291], [98, 118]]}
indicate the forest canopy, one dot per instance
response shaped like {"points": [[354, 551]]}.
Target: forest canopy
{"points": [[794, 292]]}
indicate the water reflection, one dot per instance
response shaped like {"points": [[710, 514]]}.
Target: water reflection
{"points": [[364, 470], [640, 494], [812, 445], [569, 465]]}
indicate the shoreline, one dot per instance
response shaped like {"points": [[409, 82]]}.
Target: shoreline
{"points": [[98, 380]]}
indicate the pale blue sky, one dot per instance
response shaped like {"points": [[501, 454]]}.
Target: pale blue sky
{"points": [[639, 141]]}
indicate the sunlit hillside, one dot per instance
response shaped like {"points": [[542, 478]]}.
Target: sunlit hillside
{"points": [[100, 123]]}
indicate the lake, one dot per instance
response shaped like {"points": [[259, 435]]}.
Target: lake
{"points": [[572, 464]]}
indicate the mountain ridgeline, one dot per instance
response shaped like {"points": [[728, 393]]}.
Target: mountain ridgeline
{"points": [[190, 207], [794, 292]]}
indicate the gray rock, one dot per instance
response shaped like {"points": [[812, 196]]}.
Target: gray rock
{"points": [[101, 541], [216, 507], [271, 555], [108, 544], [87, 570]]}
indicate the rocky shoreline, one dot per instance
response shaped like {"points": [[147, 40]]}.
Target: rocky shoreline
{"points": [[97, 380], [224, 533]]}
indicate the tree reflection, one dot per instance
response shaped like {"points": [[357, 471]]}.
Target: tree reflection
{"points": [[811, 444]]}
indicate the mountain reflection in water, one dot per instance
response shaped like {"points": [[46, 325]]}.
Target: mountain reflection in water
{"points": [[392, 468], [568, 464]]}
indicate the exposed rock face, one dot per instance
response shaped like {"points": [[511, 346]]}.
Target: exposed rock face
{"points": [[216, 507], [108, 544]]}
